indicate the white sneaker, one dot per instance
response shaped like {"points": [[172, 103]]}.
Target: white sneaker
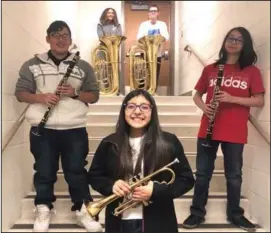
{"points": [[43, 218], [86, 221]]}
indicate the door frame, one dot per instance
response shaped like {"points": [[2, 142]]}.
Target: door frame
{"points": [[171, 88], [122, 86]]}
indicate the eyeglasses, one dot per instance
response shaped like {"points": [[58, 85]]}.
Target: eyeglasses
{"points": [[145, 108], [153, 11], [233, 40], [58, 36]]}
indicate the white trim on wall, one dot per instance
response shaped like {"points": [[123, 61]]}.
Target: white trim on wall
{"points": [[176, 72]]}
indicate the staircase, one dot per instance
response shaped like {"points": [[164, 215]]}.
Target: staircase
{"points": [[177, 115]]}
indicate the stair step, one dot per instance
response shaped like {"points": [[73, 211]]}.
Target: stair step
{"points": [[180, 130], [111, 117], [96, 195], [163, 107], [217, 183], [189, 144], [73, 227], [219, 162], [64, 215], [64, 220], [215, 172], [158, 99]]}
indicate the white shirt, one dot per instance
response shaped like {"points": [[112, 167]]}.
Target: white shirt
{"points": [[147, 28], [134, 213]]}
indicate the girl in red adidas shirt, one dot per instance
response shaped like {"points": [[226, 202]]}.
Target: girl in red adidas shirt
{"points": [[241, 88]]}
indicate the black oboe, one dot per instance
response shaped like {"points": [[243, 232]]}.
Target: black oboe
{"points": [[40, 128], [215, 105]]}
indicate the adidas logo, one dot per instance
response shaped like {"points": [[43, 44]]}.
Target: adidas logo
{"points": [[235, 83]]}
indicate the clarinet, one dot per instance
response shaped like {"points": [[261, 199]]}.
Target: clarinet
{"points": [[40, 128], [215, 105]]}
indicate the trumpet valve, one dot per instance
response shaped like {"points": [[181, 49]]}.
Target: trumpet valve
{"points": [[134, 179]]}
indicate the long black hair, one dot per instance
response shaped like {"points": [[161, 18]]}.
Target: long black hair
{"points": [[104, 20], [247, 55], [155, 150]]}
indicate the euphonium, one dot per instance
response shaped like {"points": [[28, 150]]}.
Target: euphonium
{"points": [[105, 60], [143, 63], [94, 208], [215, 105]]}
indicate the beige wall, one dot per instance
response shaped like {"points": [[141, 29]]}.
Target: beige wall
{"points": [[22, 37], [24, 29], [256, 182], [203, 25]]}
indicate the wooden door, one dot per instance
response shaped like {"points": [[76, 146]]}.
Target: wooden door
{"points": [[132, 20]]}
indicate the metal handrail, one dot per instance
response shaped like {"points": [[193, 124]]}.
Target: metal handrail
{"points": [[252, 119], [14, 129]]}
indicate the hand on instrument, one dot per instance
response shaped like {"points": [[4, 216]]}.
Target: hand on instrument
{"points": [[49, 99], [121, 188], [223, 96], [143, 193], [208, 110], [66, 90]]}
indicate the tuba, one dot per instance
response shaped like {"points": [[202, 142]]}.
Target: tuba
{"points": [[105, 59], [94, 208], [143, 63]]}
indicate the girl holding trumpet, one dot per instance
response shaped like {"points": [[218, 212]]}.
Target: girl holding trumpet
{"points": [[140, 146]]}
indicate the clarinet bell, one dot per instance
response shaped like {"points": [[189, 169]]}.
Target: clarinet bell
{"points": [[36, 132], [206, 144]]}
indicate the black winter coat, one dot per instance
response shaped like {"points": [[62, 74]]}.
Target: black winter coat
{"points": [[160, 215]]}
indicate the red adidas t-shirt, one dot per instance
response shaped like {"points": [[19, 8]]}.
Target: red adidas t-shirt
{"points": [[231, 119]]}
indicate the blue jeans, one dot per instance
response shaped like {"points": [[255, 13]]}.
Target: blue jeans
{"points": [[72, 146], [131, 226], [233, 162]]}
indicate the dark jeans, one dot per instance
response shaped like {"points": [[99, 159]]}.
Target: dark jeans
{"points": [[72, 146], [233, 162], [131, 226]]}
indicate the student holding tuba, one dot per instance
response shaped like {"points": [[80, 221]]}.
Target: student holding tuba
{"points": [[152, 27], [105, 56], [109, 24], [139, 146]]}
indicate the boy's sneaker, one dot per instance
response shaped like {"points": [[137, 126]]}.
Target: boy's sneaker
{"points": [[86, 221], [192, 221], [43, 218], [243, 223]]}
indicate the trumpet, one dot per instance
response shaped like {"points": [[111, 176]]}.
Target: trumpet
{"points": [[94, 208]]}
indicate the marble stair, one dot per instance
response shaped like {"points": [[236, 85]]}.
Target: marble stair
{"points": [[177, 115]]}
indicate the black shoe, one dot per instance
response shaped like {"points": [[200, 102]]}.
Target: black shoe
{"points": [[243, 223], [192, 221]]}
